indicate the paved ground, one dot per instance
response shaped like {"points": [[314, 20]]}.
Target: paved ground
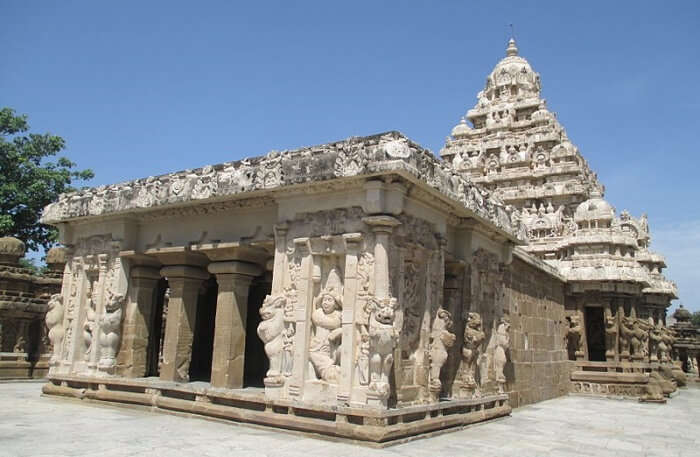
{"points": [[34, 426]]}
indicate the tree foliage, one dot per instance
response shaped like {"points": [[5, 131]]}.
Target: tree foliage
{"points": [[695, 319], [28, 181]]}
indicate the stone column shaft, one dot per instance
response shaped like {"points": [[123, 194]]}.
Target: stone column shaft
{"points": [[184, 283], [280, 262], [382, 227], [349, 345], [234, 278], [302, 318], [133, 356]]}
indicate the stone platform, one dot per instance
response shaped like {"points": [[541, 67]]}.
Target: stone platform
{"points": [[370, 426]]}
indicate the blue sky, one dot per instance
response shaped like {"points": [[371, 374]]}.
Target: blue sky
{"points": [[143, 88]]}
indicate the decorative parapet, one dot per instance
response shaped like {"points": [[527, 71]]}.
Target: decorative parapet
{"points": [[354, 157]]}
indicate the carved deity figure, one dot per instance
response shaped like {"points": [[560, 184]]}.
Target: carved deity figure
{"points": [[110, 324], [324, 352], [362, 361], [626, 332], [458, 161], [271, 332], [89, 326], [383, 338], [499, 356], [574, 337], [54, 322], [643, 334], [441, 339], [473, 339], [610, 335], [666, 345], [655, 339], [636, 338]]}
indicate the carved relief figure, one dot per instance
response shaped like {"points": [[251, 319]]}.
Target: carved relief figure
{"points": [[324, 351], [410, 334], [665, 345], [271, 332], [54, 322], [499, 356], [110, 323], [288, 348], [626, 331], [382, 340], [643, 335], [610, 335], [574, 338], [655, 339], [441, 339], [636, 338], [89, 326], [362, 362], [473, 339]]}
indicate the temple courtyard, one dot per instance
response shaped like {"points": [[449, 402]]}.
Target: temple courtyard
{"points": [[572, 425]]}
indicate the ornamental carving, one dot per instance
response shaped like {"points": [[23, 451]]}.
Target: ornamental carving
{"points": [[272, 333], [324, 350], [383, 337], [441, 340], [474, 337], [352, 157], [110, 332], [54, 322], [500, 353]]}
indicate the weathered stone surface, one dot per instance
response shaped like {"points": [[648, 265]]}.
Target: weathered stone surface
{"points": [[26, 345], [372, 290]]}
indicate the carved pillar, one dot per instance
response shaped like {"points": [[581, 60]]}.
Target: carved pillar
{"points": [[382, 226], [279, 271], [133, 356], [453, 286], [350, 287], [302, 317], [234, 278], [184, 282], [98, 295]]}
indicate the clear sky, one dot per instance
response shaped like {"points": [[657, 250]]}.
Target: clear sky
{"points": [[143, 88]]}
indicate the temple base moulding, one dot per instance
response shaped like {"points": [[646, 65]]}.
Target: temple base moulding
{"points": [[363, 425]]}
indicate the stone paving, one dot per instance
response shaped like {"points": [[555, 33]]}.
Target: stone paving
{"points": [[569, 426]]}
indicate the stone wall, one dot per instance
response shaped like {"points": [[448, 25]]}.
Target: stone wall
{"points": [[539, 368], [24, 348]]}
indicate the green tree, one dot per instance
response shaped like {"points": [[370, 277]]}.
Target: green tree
{"points": [[28, 181], [695, 319]]}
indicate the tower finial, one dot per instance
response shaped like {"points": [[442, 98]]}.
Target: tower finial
{"points": [[512, 49]]}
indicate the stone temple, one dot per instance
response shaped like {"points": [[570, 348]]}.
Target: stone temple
{"points": [[365, 289]]}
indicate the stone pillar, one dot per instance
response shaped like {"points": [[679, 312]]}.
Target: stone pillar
{"points": [[349, 345], [234, 278], [453, 288], [382, 226], [302, 318], [279, 271], [184, 282], [133, 356], [98, 296]]}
